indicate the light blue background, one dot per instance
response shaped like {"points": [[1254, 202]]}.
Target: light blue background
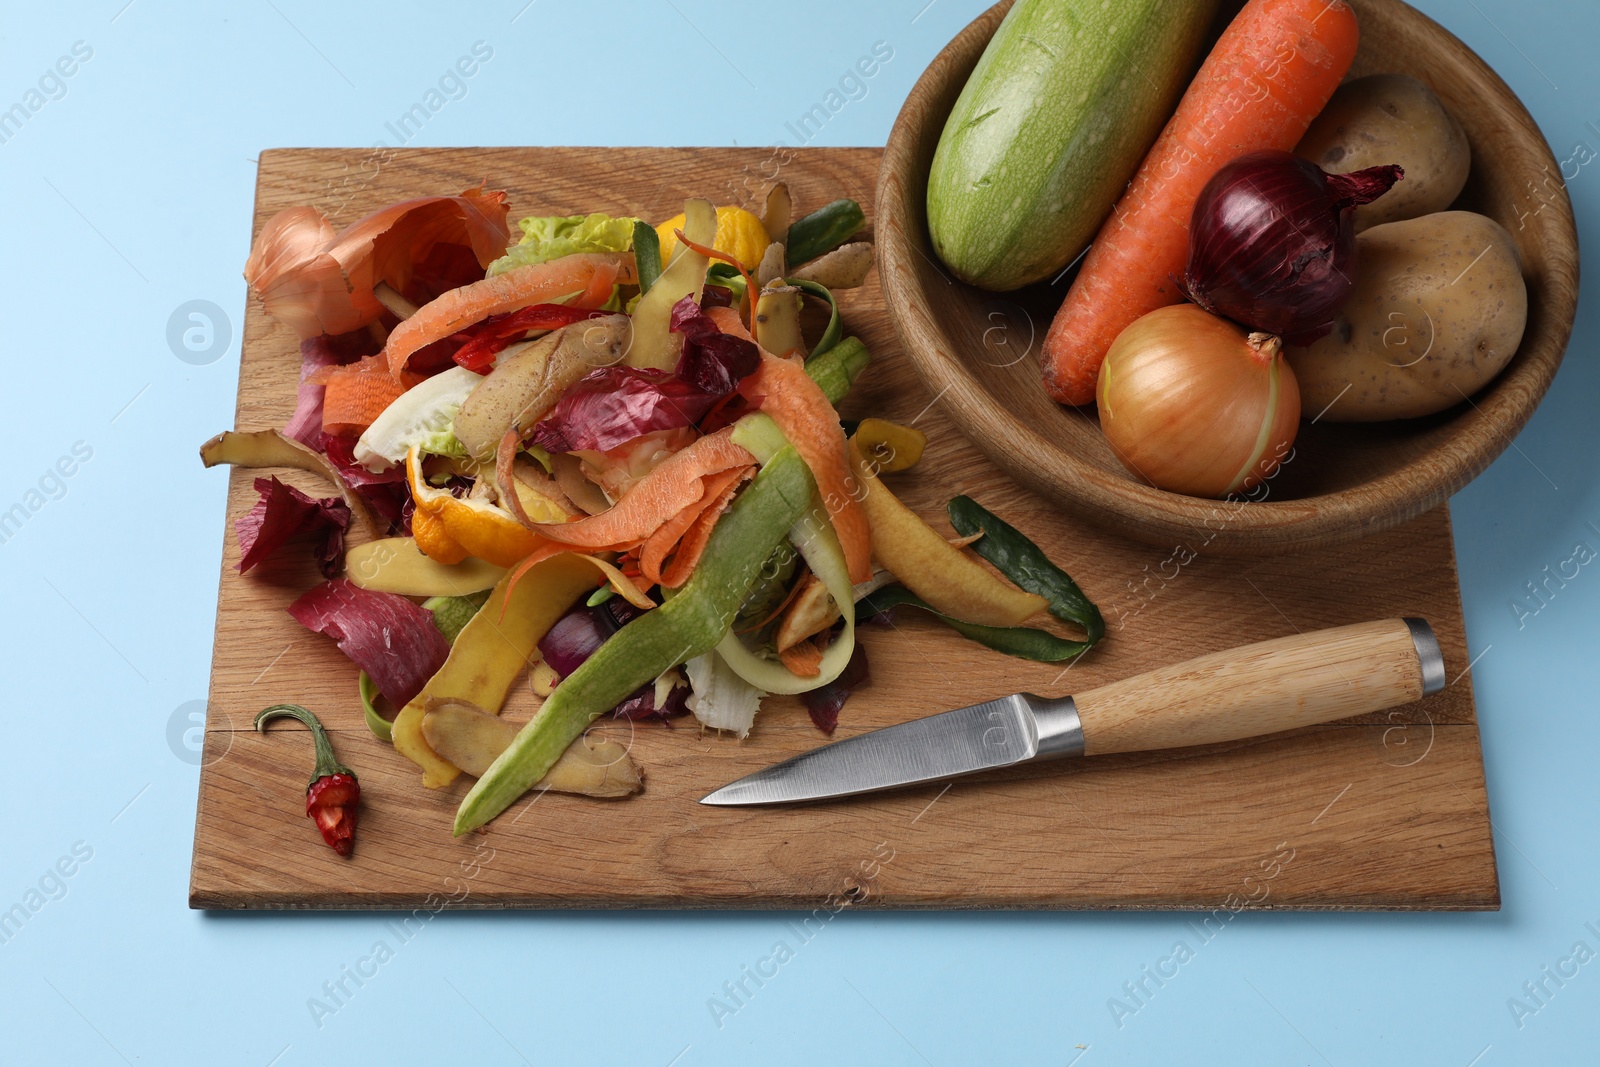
{"points": [[131, 194]]}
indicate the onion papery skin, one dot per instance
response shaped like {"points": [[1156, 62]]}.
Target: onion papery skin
{"points": [[1272, 242], [320, 281], [1193, 404]]}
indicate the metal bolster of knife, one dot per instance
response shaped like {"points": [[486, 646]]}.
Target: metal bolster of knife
{"points": [[1060, 730], [1428, 654]]}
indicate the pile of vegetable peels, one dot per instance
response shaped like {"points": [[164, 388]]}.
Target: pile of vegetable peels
{"points": [[607, 454]]}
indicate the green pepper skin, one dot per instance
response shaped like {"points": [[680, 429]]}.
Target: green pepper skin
{"points": [[825, 229], [1024, 642], [1019, 559], [687, 625]]}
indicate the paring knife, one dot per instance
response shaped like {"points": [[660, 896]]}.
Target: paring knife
{"points": [[1244, 692]]}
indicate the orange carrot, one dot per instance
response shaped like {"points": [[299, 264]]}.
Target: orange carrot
{"points": [[598, 291], [356, 394], [694, 542], [804, 659], [678, 483], [728, 321], [457, 309], [750, 288], [801, 409], [660, 544], [1269, 75]]}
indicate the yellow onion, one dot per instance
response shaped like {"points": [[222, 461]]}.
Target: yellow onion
{"points": [[1193, 404], [319, 281]]}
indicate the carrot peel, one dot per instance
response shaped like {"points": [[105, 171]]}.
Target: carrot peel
{"points": [[678, 483], [583, 273], [801, 409], [695, 539], [717, 490], [356, 394]]}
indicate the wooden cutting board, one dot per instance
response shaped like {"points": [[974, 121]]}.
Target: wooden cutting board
{"points": [[1387, 811]]}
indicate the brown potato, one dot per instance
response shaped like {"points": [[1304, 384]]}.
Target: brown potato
{"points": [[528, 379], [465, 734], [1438, 309], [845, 267], [521, 373], [1392, 118], [472, 739]]}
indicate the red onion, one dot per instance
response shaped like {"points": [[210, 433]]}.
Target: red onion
{"points": [[386, 635], [284, 511], [580, 631], [1272, 244], [642, 705], [716, 296], [577, 634], [573, 639]]}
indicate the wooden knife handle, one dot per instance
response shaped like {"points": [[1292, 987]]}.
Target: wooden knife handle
{"points": [[1263, 688]]}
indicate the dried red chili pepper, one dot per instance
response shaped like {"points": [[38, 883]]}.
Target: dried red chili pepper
{"points": [[334, 794]]}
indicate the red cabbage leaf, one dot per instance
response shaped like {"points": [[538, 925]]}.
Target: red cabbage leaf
{"points": [[388, 636], [613, 405], [284, 511], [385, 492], [712, 361]]}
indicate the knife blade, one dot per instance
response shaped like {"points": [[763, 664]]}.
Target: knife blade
{"points": [[1288, 682]]}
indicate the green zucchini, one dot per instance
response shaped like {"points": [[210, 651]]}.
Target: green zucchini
{"points": [[1061, 108], [381, 728], [834, 329], [837, 369], [823, 230], [1019, 559], [690, 623], [452, 613]]}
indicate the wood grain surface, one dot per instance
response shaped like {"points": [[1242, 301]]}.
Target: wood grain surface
{"points": [[1343, 482], [1384, 811], [1302, 679]]}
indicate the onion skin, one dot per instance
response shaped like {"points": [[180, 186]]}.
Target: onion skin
{"points": [[1272, 242], [1193, 404], [320, 281], [579, 633]]}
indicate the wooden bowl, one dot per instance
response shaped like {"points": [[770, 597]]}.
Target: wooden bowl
{"points": [[978, 351]]}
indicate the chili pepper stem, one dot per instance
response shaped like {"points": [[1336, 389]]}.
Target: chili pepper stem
{"points": [[327, 763]]}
